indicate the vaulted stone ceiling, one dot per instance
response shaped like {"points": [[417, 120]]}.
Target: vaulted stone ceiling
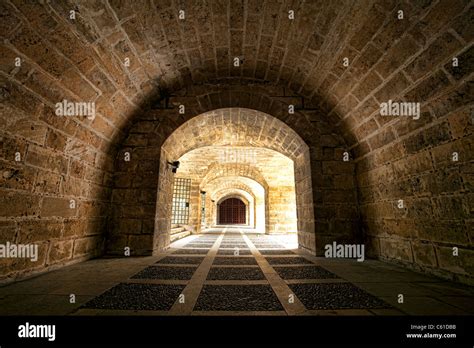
{"points": [[138, 61], [276, 169], [220, 184], [88, 55]]}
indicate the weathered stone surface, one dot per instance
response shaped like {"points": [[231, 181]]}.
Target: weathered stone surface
{"points": [[60, 207], [424, 254], [13, 204], [396, 249], [462, 263], [34, 231], [190, 63], [438, 50], [60, 251], [8, 231]]}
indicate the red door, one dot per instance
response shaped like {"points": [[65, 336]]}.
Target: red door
{"points": [[232, 211]]}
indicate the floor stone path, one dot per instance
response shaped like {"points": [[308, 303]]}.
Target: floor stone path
{"points": [[229, 272]]}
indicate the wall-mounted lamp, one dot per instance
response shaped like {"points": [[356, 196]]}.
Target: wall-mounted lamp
{"points": [[174, 166], [203, 192]]}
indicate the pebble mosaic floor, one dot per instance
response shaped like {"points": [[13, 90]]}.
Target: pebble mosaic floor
{"points": [[239, 274], [236, 273]]}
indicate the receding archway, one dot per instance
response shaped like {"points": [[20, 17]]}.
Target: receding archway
{"points": [[246, 196], [253, 191], [232, 211], [237, 127], [136, 182]]}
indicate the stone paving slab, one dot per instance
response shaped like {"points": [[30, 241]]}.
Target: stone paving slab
{"points": [[304, 272], [342, 312], [156, 281], [424, 295], [190, 251], [119, 312], [231, 248], [194, 245], [239, 313], [128, 296], [277, 252], [393, 289], [422, 305], [449, 289], [237, 298], [232, 252], [266, 242], [235, 260], [157, 272], [269, 247], [335, 296], [287, 260], [235, 273], [28, 305], [464, 303], [195, 260], [199, 243], [239, 245]]}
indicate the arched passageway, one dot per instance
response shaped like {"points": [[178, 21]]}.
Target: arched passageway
{"points": [[305, 92], [232, 211], [240, 144]]}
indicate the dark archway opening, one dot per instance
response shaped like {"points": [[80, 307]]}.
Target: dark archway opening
{"points": [[232, 211]]}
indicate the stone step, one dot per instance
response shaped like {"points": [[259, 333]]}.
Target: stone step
{"points": [[178, 236], [177, 230]]}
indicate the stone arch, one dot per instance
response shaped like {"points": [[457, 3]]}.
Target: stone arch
{"points": [[254, 188], [234, 170], [235, 127], [286, 63], [238, 127], [247, 195], [325, 149], [239, 197], [233, 195], [230, 186]]}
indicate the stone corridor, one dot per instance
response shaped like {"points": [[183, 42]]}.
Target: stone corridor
{"points": [[230, 271]]}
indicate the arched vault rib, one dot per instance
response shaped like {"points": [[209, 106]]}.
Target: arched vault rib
{"points": [[235, 127], [234, 170], [229, 185], [224, 194]]}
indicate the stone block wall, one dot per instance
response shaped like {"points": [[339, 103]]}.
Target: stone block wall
{"points": [[282, 213], [336, 210], [297, 62], [194, 206], [54, 186], [138, 165], [414, 191]]}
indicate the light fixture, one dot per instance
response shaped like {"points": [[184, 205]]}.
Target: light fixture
{"points": [[174, 166]]}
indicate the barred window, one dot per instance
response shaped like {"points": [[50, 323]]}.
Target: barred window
{"points": [[180, 204]]}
